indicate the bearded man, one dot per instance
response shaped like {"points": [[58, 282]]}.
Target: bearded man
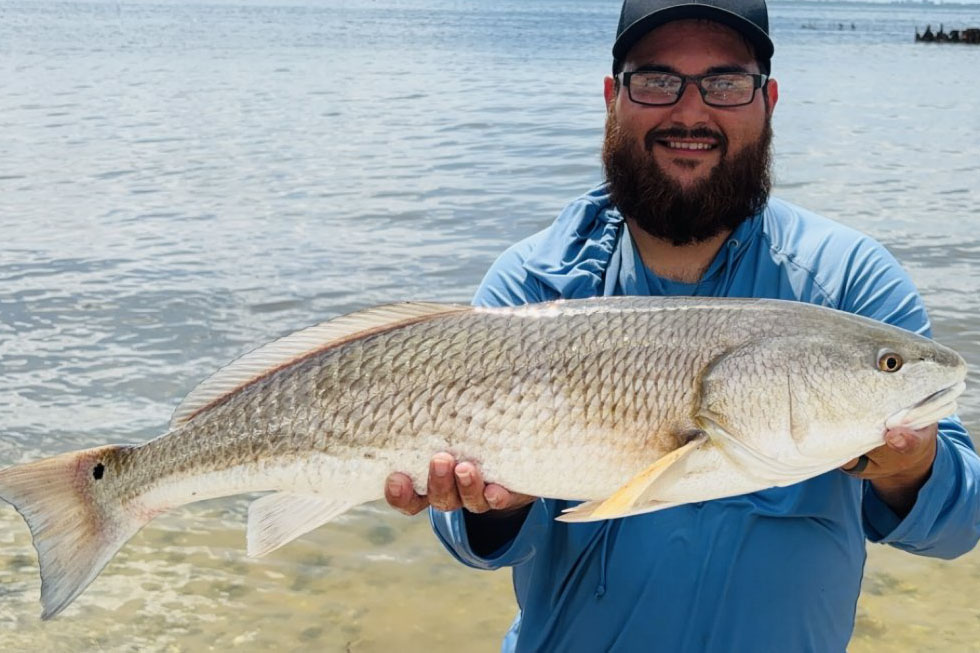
{"points": [[686, 210]]}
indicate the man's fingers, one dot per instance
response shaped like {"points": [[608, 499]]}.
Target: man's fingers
{"points": [[866, 466], [442, 483], [401, 495], [905, 452], [500, 498], [469, 483], [857, 465], [900, 442], [450, 487], [909, 442]]}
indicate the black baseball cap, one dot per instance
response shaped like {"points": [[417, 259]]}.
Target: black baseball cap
{"points": [[750, 18]]}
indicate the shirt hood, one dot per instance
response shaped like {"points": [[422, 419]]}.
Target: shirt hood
{"points": [[584, 253]]}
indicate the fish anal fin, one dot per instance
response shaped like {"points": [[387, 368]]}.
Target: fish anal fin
{"points": [[277, 519], [632, 496]]}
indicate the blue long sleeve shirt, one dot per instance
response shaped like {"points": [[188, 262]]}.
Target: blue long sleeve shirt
{"points": [[777, 570]]}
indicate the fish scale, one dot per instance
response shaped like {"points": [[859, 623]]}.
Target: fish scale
{"points": [[630, 404]]}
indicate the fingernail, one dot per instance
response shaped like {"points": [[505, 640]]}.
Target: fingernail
{"points": [[441, 467], [492, 498], [394, 489], [465, 478], [898, 441]]}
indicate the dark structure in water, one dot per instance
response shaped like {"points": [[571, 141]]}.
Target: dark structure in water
{"points": [[971, 35]]}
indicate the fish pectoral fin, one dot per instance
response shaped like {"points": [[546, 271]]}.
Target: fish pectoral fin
{"points": [[580, 513], [585, 512], [630, 499], [277, 519]]}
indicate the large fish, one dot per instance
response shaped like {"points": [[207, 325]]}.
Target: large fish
{"points": [[629, 404]]}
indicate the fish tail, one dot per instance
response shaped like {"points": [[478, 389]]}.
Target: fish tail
{"points": [[76, 524]]}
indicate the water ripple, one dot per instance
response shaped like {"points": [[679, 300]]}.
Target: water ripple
{"points": [[183, 182]]}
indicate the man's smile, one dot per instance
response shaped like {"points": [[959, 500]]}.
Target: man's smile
{"points": [[697, 143], [688, 146]]}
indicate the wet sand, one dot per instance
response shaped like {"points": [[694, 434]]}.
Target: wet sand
{"points": [[374, 582]]}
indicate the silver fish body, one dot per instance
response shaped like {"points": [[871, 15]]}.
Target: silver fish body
{"points": [[570, 400]]}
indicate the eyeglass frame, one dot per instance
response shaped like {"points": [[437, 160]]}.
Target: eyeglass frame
{"points": [[759, 80]]}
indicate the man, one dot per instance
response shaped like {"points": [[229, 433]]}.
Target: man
{"points": [[686, 211]]}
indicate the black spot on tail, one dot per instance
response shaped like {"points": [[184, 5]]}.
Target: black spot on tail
{"points": [[98, 471]]}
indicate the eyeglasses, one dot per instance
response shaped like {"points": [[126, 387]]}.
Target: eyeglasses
{"points": [[659, 89]]}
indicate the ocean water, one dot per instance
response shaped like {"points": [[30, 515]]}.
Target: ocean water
{"points": [[180, 182]]}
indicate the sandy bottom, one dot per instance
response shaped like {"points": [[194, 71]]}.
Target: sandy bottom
{"points": [[374, 581]]}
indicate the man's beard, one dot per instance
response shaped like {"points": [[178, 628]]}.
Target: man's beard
{"points": [[736, 189]]}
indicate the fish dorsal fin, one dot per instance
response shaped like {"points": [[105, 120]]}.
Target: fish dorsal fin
{"points": [[296, 346]]}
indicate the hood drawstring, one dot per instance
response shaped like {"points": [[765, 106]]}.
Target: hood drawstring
{"points": [[731, 247], [607, 528]]}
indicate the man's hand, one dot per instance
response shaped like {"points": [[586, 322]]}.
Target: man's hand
{"points": [[899, 468], [452, 486]]}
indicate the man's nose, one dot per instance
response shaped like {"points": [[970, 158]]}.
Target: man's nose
{"points": [[690, 109]]}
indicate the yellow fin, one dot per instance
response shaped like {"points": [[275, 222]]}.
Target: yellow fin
{"points": [[584, 511], [628, 499]]}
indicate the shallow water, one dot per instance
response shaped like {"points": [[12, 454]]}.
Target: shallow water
{"points": [[181, 182]]}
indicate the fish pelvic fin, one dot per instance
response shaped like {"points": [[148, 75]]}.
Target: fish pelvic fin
{"points": [[632, 498], [277, 519], [74, 531]]}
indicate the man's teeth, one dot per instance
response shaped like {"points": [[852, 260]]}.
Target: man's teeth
{"points": [[688, 146]]}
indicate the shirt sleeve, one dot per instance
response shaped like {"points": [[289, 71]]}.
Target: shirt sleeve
{"points": [[945, 519], [507, 283], [450, 528]]}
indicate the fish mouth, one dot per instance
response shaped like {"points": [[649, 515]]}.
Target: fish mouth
{"points": [[928, 410]]}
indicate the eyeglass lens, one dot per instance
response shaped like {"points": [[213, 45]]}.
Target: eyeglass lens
{"points": [[724, 89]]}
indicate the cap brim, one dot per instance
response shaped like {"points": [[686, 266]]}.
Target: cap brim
{"points": [[758, 38]]}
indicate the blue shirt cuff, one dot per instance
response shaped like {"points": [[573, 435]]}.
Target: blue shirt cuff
{"points": [[450, 527]]}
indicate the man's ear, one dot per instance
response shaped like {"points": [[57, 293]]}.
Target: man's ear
{"points": [[610, 87], [772, 94]]}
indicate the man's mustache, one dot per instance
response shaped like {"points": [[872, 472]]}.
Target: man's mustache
{"points": [[655, 135]]}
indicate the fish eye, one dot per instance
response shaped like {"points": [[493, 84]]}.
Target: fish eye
{"points": [[889, 361]]}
